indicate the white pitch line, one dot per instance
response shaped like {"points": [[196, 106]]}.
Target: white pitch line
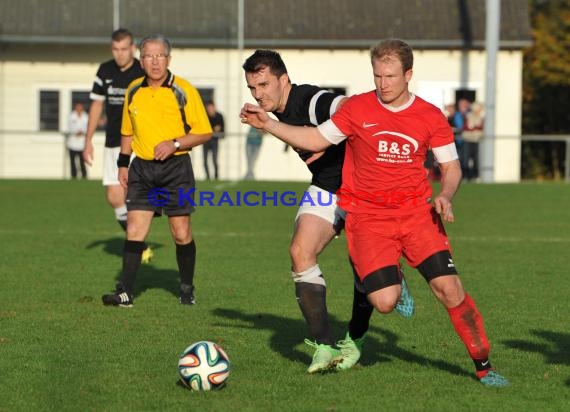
{"points": [[220, 186], [26, 232], [511, 239]]}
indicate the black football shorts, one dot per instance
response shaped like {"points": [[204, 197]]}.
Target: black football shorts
{"points": [[157, 186]]}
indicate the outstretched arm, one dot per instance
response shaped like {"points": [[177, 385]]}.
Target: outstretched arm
{"points": [[300, 137]]}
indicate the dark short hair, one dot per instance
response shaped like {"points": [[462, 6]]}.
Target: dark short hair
{"points": [[121, 34], [265, 58], [393, 48]]}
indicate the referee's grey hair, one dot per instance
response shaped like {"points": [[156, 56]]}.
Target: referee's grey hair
{"points": [[156, 38]]}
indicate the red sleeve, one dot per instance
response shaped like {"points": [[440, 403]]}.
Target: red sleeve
{"points": [[441, 132]]}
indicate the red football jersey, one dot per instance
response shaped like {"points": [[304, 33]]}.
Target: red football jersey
{"points": [[384, 162]]}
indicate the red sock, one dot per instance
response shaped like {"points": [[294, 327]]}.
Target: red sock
{"points": [[481, 374], [468, 324]]}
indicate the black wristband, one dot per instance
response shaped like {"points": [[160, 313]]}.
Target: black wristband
{"points": [[123, 160]]}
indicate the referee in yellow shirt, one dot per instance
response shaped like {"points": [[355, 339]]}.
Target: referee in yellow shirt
{"points": [[163, 118]]}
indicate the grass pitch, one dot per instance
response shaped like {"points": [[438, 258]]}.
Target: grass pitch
{"points": [[60, 349]]}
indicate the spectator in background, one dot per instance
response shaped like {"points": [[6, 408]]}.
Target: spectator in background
{"points": [[472, 134], [217, 123], [75, 142], [449, 112], [459, 120], [252, 147]]}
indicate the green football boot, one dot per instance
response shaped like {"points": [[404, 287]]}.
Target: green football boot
{"points": [[350, 351], [323, 357]]}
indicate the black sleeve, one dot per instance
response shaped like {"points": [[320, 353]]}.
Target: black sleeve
{"points": [[98, 86]]}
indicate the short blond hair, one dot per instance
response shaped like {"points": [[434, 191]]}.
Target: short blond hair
{"points": [[387, 49]]}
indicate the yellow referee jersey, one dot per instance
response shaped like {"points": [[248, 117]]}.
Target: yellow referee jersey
{"points": [[152, 115]]}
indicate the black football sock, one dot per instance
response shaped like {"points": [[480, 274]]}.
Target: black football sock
{"points": [[131, 262], [123, 224], [361, 314], [482, 367], [312, 299], [186, 258]]}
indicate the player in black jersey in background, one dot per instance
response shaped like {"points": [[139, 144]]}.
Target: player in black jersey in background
{"points": [[109, 86], [307, 105]]}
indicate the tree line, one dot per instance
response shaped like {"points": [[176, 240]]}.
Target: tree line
{"points": [[546, 89]]}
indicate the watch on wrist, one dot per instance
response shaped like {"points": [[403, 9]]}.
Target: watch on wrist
{"points": [[176, 144]]}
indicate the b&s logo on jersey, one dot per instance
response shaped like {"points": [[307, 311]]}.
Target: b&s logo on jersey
{"points": [[394, 147]]}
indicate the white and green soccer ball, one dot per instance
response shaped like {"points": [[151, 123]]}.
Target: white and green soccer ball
{"points": [[204, 366]]}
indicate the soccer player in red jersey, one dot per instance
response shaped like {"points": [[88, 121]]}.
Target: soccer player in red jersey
{"points": [[385, 190]]}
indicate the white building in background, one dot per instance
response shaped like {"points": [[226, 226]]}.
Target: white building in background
{"points": [[37, 69]]}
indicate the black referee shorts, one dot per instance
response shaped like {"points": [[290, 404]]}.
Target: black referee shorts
{"points": [[157, 186]]}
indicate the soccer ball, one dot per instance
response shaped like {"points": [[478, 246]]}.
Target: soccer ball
{"points": [[204, 366]]}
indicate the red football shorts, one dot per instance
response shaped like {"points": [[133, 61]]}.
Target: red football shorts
{"points": [[377, 241]]}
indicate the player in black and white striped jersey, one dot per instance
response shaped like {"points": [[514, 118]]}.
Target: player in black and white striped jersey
{"points": [[108, 91]]}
